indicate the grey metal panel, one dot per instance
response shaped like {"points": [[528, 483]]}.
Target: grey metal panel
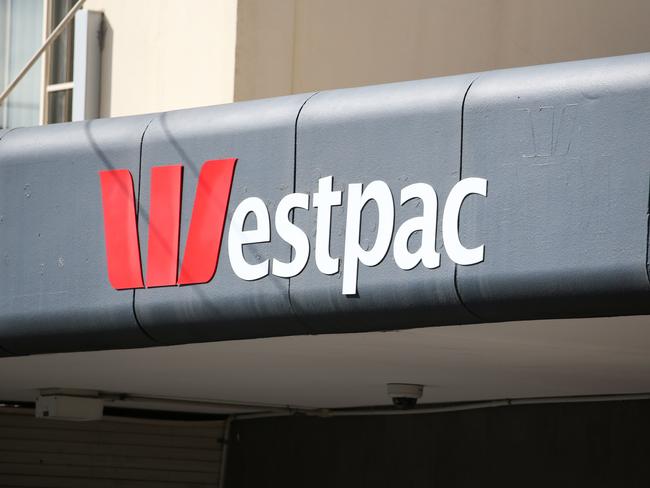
{"points": [[564, 148], [261, 135], [54, 290], [566, 151], [400, 133]]}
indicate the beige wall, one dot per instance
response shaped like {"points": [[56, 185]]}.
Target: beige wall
{"points": [[169, 54], [291, 46], [166, 54]]}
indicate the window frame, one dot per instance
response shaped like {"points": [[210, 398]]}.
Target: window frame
{"points": [[46, 87]]}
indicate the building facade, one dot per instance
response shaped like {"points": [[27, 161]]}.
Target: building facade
{"points": [[159, 55], [239, 265]]}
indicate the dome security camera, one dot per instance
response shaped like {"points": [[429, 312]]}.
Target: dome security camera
{"points": [[404, 395]]}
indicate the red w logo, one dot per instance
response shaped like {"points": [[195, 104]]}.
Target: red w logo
{"points": [[204, 236]]}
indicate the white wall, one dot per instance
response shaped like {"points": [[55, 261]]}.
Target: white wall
{"points": [[166, 54]]}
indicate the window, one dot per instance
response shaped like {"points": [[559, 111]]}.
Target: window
{"points": [[57, 98], [45, 94], [21, 34]]}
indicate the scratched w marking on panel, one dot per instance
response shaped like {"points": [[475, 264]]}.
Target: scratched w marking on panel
{"points": [[548, 131]]}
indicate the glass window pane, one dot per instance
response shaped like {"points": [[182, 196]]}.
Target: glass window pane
{"points": [[25, 37], [4, 50], [59, 106], [61, 50]]}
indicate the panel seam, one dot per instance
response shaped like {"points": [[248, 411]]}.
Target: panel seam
{"points": [[137, 219], [7, 131], [460, 177], [295, 314]]}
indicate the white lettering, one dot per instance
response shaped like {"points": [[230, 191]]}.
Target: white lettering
{"points": [[292, 234], [324, 199], [455, 250], [426, 224], [354, 253], [237, 237]]}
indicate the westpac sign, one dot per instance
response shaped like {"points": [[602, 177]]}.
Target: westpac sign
{"points": [[202, 249]]}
